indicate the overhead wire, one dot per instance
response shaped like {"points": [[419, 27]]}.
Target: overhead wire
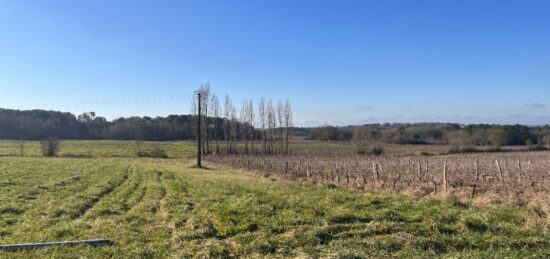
{"points": [[112, 102]]}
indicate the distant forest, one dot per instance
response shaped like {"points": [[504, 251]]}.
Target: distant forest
{"points": [[433, 133], [41, 124]]}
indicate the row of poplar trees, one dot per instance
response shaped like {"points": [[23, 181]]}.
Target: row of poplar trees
{"points": [[266, 130]]}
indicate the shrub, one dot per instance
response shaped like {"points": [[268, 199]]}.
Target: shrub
{"points": [[425, 153], [454, 149], [141, 153], [361, 151], [537, 148], [463, 150], [50, 147], [469, 150], [377, 151], [459, 150], [156, 152], [415, 142]]}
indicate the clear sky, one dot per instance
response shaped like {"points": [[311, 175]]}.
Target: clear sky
{"points": [[339, 62]]}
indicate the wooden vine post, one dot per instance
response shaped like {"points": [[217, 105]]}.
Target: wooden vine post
{"points": [[445, 176]]}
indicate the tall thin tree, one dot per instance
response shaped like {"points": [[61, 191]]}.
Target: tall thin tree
{"points": [[243, 132], [272, 123], [234, 132], [205, 98], [288, 125], [261, 118], [252, 125], [215, 108], [280, 112], [228, 108]]}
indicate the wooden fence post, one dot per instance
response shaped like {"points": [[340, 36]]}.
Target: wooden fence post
{"points": [[477, 171], [499, 170], [445, 176], [376, 175]]}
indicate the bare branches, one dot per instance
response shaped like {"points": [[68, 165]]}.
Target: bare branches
{"points": [[216, 112], [287, 115], [271, 127], [228, 112], [240, 129], [262, 118]]}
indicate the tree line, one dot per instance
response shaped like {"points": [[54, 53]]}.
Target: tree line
{"points": [[261, 127], [434, 133], [41, 124], [266, 129]]}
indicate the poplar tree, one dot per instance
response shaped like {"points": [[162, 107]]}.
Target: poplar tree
{"points": [[228, 109], [215, 108], [262, 121], [272, 123], [288, 125]]}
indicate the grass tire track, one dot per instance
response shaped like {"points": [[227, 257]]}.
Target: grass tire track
{"points": [[124, 198], [92, 201]]}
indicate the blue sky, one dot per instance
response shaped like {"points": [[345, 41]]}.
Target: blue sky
{"points": [[339, 62]]}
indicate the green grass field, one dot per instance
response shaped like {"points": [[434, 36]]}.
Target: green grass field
{"points": [[99, 148], [166, 207]]}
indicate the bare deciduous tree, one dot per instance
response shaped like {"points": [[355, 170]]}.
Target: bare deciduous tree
{"points": [[275, 123], [215, 108], [205, 99], [228, 108], [50, 147], [262, 121], [22, 146], [360, 140], [272, 124], [234, 133], [288, 125], [244, 128], [280, 115], [251, 126], [139, 137]]}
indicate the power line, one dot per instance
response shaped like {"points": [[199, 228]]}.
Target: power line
{"points": [[113, 102]]}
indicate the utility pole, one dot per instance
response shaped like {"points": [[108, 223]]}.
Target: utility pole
{"points": [[199, 151]]}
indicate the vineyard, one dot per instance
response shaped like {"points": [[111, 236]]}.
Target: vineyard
{"points": [[517, 177]]}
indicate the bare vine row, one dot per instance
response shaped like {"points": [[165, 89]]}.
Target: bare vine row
{"points": [[518, 176]]}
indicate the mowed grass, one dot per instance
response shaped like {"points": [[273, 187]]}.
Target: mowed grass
{"points": [[100, 148], [166, 207], [128, 148]]}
